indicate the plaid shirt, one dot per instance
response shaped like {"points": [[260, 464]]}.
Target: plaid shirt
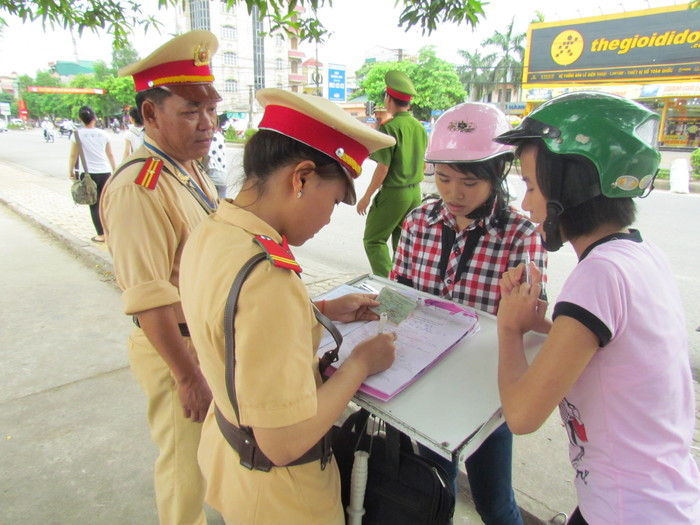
{"points": [[507, 236]]}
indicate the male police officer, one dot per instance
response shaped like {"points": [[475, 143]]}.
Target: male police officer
{"points": [[399, 172], [149, 208]]}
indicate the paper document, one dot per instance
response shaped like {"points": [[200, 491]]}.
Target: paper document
{"points": [[428, 333]]}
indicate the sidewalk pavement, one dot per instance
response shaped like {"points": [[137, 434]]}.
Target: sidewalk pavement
{"points": [[542, 476]]}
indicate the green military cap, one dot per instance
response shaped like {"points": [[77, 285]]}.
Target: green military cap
{"points": [[399, 86]]}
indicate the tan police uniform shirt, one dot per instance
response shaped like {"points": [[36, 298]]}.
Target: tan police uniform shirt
{"points": [[276, 374], [146, 230]]}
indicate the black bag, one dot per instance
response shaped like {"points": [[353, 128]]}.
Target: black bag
{"points": [[83, 191], [402, 487]]}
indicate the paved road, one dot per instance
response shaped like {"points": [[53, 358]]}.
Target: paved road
{"points": [[75, 444]]}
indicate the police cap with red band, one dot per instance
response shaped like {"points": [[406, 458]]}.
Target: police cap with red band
{"points": [[181, 65], [324, 126], [399, 86]]}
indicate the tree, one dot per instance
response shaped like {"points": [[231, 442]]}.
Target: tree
{"points": [[123, 56], [120, 17], [9, 97], [475, 75], [508, 66], [436, 82], [41, 105]]}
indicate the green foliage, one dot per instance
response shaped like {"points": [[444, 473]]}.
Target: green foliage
{"points": [[249, 133], [475, 75], [123, 56], [119, 93], [41, 104], [510, 50], [119, 17], [230, 135], [427, 14], [695, 162], [9, 97], [436, 82], [503, 64]]}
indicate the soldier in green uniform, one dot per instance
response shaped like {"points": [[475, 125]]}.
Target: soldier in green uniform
{"points": [[397, 176]]}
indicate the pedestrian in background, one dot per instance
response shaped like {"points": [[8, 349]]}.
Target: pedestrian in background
{"points": [[134, 135], [275, 464], [215, 163], [149, 208], [615, 359], [97, 153], [397, 176], [457, 247]]}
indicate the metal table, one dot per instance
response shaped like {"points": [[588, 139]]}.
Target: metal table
{"points": [[453, 407]]}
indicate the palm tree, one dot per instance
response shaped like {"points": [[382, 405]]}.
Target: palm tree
{"points": [[475, 75], [508, 67]]}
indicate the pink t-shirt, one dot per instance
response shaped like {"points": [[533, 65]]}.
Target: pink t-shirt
{"points": [[630, 415]]}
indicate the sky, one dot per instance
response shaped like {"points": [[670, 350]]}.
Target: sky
{"points": [[358, 26]]}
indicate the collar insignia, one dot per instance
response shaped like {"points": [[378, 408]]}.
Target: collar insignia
{"points": [[279, 255]]}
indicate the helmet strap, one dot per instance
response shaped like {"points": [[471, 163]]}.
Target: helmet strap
{"points": [[485, 209], [552, 238]]}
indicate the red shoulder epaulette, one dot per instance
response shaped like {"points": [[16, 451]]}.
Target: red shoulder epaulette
{"points": [[279, 255], [148, 176]]}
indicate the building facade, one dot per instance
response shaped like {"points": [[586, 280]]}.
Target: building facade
{"points": [[250, 56]]}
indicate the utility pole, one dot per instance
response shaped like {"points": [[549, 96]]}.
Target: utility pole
{"points": [[317, 76], [75, 45]]}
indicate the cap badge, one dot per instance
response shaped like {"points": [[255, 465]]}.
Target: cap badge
{"points": [[201, 56], [461, 126]]}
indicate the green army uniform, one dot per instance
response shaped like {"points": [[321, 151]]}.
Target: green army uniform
{"points": [[400, 191]]}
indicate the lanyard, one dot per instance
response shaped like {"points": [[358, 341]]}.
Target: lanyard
{"points": [[184, 177]]}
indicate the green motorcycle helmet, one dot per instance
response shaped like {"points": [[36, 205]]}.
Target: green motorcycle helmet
{"points": [[617, 135]]}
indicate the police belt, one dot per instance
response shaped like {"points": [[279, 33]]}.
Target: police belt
{"points": [[184, 330], [252, 458], [400, 187]]}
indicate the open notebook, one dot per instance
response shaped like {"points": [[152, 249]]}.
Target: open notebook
{"points": [[433, 328]]}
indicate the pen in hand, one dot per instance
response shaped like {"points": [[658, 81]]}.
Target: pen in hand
{"points": [[528, 278], [382, 322]]}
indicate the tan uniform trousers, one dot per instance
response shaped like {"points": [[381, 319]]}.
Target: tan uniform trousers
{"points": [[178, 481]]}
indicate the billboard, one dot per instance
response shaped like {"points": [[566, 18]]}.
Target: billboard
{"points": [[655, 45], [63, 90], [336, 83]]}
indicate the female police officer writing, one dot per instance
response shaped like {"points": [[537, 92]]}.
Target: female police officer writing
{"points": [[298, 167]]}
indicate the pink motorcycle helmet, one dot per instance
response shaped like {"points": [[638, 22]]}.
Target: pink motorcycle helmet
{"points": [[465, 133]]}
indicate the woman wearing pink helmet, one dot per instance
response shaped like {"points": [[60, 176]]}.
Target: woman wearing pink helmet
{"points": [[457, 247]]}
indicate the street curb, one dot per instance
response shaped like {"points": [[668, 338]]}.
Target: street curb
{"points": [[88, 254]]}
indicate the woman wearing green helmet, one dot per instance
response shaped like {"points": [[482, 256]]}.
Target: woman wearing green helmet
{"points": [[615, 359]]}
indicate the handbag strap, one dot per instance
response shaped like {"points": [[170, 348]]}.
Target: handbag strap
{"points": [[80, 152], [230, 343]]}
